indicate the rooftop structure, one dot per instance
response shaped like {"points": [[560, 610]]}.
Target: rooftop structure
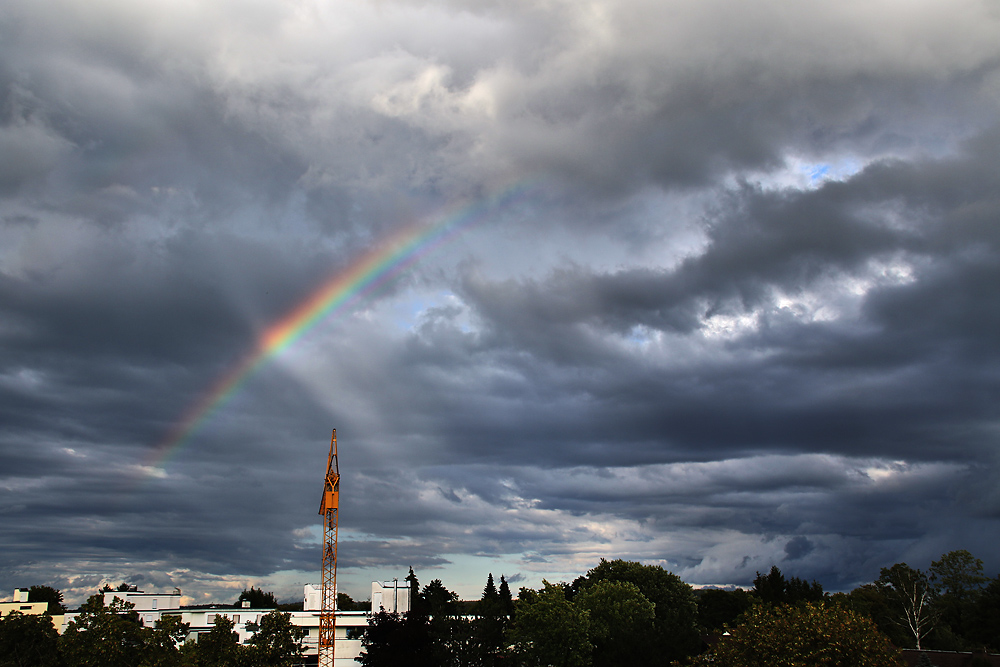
{"points": [[20, 604]]}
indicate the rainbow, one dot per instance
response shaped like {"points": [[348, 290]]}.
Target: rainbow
{"points": [[394, 255]]}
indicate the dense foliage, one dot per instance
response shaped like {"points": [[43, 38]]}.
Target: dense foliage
{"points": [[621, 619], [627, 613], [952, 606], [28, 640], [719, 608], [548, 629], [47, 594], [346, 603], [774, 588], [618, 613], [257, 598], [220, 647], [804, 635], [104, 635], [675, 624]]}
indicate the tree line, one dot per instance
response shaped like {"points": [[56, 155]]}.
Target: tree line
{"points": [[951, 606], [627, 613], [618, 613]]}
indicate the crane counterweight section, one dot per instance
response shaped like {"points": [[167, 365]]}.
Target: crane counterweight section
{"points": [[328, 509]]}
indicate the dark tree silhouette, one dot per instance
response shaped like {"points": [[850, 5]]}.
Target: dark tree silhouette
{"points": [[257, 598], [47, 594]]}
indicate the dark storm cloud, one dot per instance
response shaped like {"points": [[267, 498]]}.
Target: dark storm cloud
{"points": [[685, 345], [935, 331], [902, 374]]}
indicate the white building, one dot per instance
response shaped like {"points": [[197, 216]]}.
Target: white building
{"points": [[350, 625], [20, 604], [350, 628], [149, 606], [391, 596], [312, 597]]}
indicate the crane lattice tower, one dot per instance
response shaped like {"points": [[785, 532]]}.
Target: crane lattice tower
{"points": [[328, 510]]}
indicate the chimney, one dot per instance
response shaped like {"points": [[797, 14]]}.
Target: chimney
{"points": [[20, 595]]}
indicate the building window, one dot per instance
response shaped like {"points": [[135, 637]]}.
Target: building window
{"points": [[154, 603], [210, 619], [356, 633], [236, 618], [25, 607]]}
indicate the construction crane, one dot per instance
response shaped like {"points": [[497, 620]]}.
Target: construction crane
{"points": [[328, 510]]}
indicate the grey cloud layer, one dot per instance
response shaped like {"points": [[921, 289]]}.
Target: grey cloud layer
{"points": [[685, 344]]}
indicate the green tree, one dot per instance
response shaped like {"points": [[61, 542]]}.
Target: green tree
{"points": [[773, 588], [345, 602], [416, 603], [675, 629], [112, 635], [870, 600], [393, 639], [621, 618], [803, 635], [257, 598], [48, 594], [275, 642], [123, 587], [431, 633], [800, 590], [550, 631], [506, 599], [28, 640], [987, 617], [219, 647], [770, 588], [958, 573], [489, 626], [491, 597], [958, 580], [911, 597], [719, 608], [103, 635], [438, 600], [161, 641], [450, 636]]}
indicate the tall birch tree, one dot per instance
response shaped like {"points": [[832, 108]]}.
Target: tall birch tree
{"points": [[911, 596]]}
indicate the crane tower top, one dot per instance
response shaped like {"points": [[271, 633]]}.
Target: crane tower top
{"points": [[331, 487]]}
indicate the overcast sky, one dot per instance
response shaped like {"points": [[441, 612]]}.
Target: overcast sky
{"points": [[743, 311]]}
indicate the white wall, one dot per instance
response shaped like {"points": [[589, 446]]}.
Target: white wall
{"points": [[312, 597], [391, 596], [145, 601]]}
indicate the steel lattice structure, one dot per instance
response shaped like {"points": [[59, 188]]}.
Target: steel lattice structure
{"points": [[328, 510]]}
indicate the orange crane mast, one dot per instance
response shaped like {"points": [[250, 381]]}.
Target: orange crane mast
{"points": [[328, 510]]}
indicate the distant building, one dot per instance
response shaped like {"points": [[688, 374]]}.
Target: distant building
{"points": [[351, 626], [312, 597], [149, 606], [391, 596], [20, 604]]}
